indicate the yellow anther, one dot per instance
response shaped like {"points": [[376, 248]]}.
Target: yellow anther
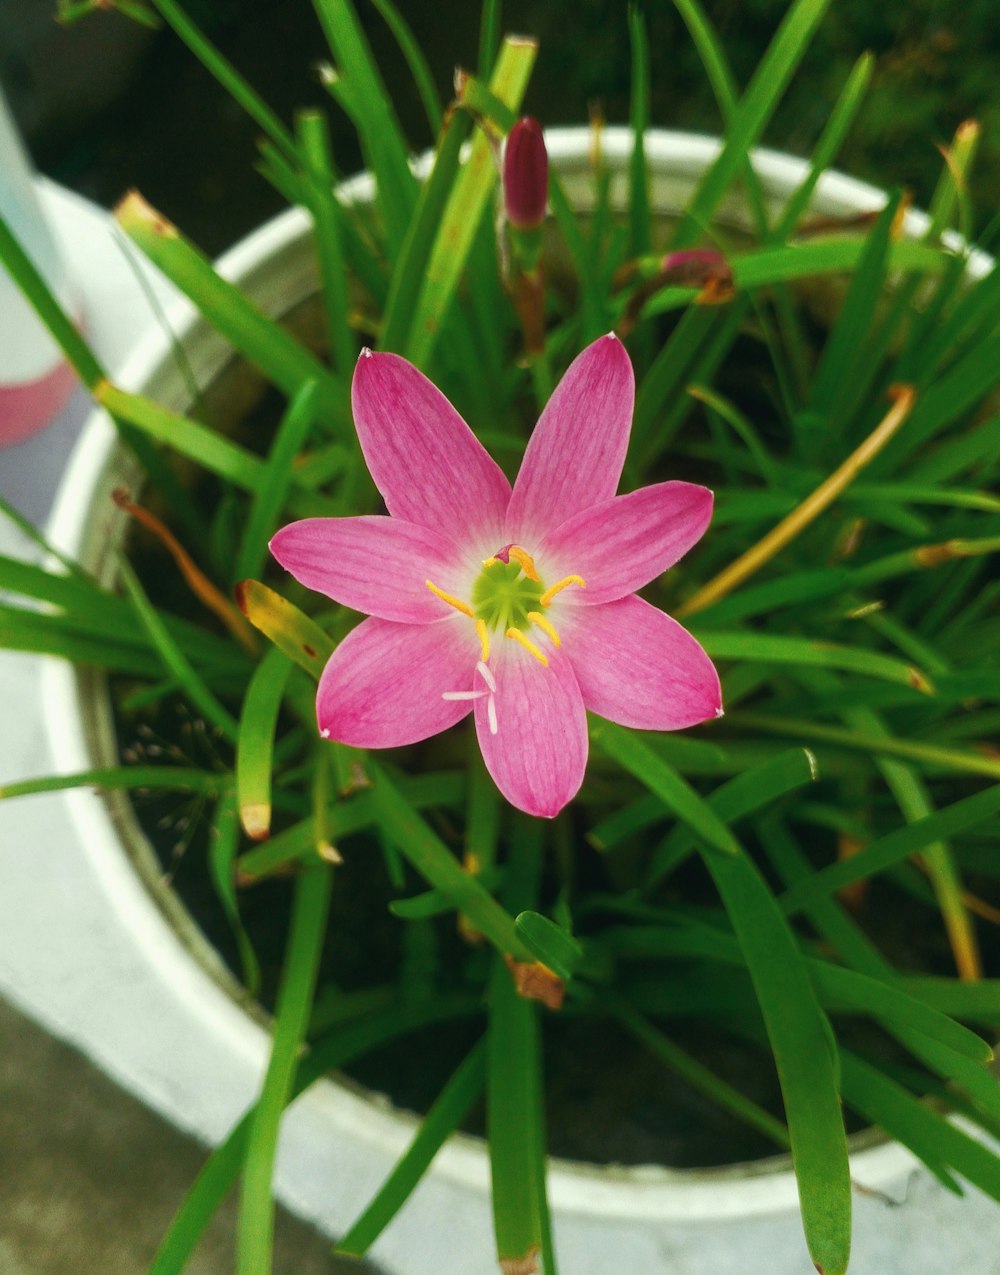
{"points": [[550, 593], [483, 633], [528, 645], [457, 603], [546, 626], [488, 562], [524, 560]]}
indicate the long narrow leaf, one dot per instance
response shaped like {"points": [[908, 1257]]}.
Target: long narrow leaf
{"points": [[298, 980], [448, 1111], [465, 208]]}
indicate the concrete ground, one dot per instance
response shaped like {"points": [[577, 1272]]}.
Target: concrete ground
{"points": [[90, 1179]]}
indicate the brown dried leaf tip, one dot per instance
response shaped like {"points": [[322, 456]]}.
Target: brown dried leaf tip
{"points": [[536, 982], [134, 210], [526, 1265]]}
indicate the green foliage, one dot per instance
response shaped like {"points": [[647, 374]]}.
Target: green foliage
{"points": [[732, 877]]}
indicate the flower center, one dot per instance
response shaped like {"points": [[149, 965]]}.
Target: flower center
{"points": [[509, 597], [503, 596]]}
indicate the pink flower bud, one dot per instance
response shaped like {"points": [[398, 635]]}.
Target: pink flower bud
{"points": [[525, 175]]}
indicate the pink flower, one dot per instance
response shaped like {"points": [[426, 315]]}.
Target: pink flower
{"points": [[518, 605]]}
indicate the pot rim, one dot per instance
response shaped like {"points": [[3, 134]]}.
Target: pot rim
{"points": [[630, 1193]]}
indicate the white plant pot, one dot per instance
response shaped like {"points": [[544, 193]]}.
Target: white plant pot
{"points": [[134, 985]]}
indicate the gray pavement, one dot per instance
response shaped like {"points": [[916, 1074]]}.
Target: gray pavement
{"points": [[90, 1178]]}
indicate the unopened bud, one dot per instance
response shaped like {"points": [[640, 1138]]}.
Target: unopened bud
{"points": [[525, 175]]}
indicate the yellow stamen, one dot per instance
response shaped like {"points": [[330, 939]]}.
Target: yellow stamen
{"points": [[488, 562], [524, 560], [483, 633], [457, 603], [550, 593], [528, 645], [546, 626]]}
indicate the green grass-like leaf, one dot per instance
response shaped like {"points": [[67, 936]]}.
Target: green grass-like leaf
{"points": [[298, 980], [635, 756], [464, 209], [445, 1115]]}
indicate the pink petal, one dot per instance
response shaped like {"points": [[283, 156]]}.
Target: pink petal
{"points": [[623, 543], [638, 667], [575, 455], [539, 753], [429, 466], [373, 564], [383, 685]]}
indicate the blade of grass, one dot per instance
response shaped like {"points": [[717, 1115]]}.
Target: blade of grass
{"points": [[932, 755], [700, 1077], [893, 848], [846, 364], [825, 914], [555, 947], [638, 759], [489, 36], [190, 438], [751, 115], [835, 131], [265, 343], [927, 1133], [290, 629], [382, 137], [778, 649], [979, 1002], [738, 797], [846, 991], [449, 1110], [174, 659], [515, 1113], [465, 207], [951, 192], [415, 253], [726, 93], [122, 778], [914, 803], [230, 79], [275, 481], [428, 854], [800, 1036], [638, 171], [92, 611], [317, 158], [415, 60], [255, 744], [223, 1166], [815, 504], [31, 283], [223, 846], [344, 816], [80, 643], [804, 1052], [298, 981]]}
